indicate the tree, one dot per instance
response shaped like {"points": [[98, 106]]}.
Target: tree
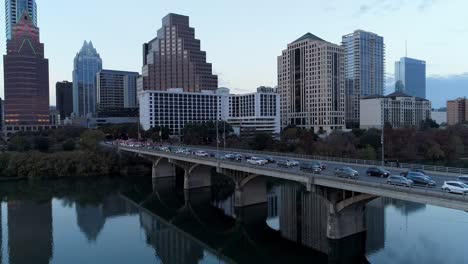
{"points": [[90, 139], [41, 143], [428, 124], [261, 141], [68, 145], [19, 143]]}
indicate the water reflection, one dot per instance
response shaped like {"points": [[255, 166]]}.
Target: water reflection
{"points": [[143, 221], [29, 231]]}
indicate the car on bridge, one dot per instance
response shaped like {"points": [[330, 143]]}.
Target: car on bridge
{"points": [[201, 153], [463, 179], [234, 157], [399, 180], [421, 179], [311, 167], [293, 162], [413, 170], [346, 172], [257, 161], [378, 172], [455, 187], [285, 163], [270, 159]]}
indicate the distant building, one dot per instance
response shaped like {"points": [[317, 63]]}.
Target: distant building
{"points": [[364, 69], [397, 109], [116, 89], [26, 76], [14, 10], [410, 77], [311, 84], [87, 64], [174, 59], [64, 98], [457, 111], [175, 108], [254, 113], [439, 116], [54, 116]]}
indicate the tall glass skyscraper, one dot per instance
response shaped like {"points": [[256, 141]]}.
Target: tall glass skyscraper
{"points": [[410, 77], [86, 66], [365, 70], [13, 11]]}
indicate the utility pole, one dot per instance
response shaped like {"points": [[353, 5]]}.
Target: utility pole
{"points": [[383, 142]]}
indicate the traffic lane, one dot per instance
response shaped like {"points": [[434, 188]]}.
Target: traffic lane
{"points": [[331, 166]]}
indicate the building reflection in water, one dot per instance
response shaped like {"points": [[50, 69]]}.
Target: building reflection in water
{"points": [[91, 218], [375, 222], [30, 232]]}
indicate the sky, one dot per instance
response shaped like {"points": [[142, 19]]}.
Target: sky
{"points": [[243, 38]]}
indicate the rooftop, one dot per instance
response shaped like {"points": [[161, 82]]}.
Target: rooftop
{"points": [[394, 96], [308, 36]]}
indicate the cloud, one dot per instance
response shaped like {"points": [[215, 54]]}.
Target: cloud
{"points": [[378, 7]]}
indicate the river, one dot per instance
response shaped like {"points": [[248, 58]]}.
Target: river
{"points": [[137, 220]]}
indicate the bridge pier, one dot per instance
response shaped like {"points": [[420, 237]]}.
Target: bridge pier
{"points": [[250, 188]]}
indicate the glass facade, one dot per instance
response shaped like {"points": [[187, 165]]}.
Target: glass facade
{"points": [[365, 70], [86, 66], [13, 11], [410, 77]]}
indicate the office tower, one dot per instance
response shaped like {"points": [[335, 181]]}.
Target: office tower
{"points": [[13, 11], [457, 111], [87, 64], [174, 59], [410, 77], [26, 74], [116, 89], [364, 70], [64, 98], [311, 84]]}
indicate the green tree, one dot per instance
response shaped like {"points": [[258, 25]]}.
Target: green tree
{"points": [[261, 141], [19, 143], [68, 145], [91, 138], [41, 143]]}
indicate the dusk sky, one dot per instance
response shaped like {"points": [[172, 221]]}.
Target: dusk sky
{"points": [[243, 38]]}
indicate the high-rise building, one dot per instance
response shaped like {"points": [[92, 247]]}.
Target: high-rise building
{"points": [[14, 10], [87, 64], [410, 77], [457, 111], [64, 98], [116, 89], [26, 74], [174, 59], [364, 69], [311, 84]]}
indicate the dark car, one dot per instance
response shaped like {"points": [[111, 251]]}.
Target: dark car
{"points": [[310, 167], [463, 179], [399, 180], [322, 165], [377, 172], [270, 159], [413, 170], [346, 172], [234, 157], [420, 179]]}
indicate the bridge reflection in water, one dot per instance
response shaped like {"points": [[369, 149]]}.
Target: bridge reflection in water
{"points": [[292, 227]]}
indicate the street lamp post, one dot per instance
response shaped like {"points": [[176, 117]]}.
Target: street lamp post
{"points": [[382, 141]]}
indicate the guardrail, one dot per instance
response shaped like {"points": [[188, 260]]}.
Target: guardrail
{"points": [[453, 170], [310, 178]]}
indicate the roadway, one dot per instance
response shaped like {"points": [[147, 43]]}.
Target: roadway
{"points": [[331, 180]]}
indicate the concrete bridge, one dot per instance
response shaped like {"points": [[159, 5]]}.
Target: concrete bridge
{"points": [[340, 199]]}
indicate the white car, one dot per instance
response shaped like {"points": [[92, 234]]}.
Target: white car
{"points": [[293, 162], [455, 187], [201, 153], [257, 161]]}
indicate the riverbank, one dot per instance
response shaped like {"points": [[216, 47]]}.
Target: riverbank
{"points": [[77, 163]]}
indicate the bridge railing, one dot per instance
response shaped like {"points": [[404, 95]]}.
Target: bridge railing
{"points": [[452, 170], [308, 177]]}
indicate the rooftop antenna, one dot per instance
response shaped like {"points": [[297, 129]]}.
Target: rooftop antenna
{"points": [[406, 48]]}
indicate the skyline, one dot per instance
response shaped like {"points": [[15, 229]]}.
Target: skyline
{"points": [[224, 36]]}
